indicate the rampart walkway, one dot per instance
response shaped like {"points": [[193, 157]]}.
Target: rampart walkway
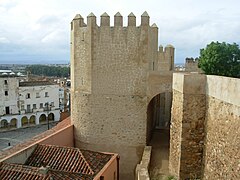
{"points": [[160, 154]]}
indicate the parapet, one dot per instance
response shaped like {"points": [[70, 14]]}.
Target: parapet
{"points": [[167, 48], [78, 20]]}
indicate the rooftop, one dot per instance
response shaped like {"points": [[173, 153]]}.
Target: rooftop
{"points": [[19, 171], [50, 161], [35, 83]]}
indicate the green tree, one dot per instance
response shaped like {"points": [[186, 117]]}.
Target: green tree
{"points": [[56, 71], [220, 59]]}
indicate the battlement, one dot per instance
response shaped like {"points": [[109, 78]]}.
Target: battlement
{"points": [[167, 48], [105, 20]]}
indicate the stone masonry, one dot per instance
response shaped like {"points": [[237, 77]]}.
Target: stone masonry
{"points": [[204, 140], [188, 115], [110, 69]]}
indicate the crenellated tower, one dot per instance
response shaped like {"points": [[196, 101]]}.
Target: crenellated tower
{"points": [[109, 74], [165, 61]]}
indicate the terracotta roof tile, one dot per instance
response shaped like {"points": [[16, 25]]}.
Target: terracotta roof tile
{"points": [[96, 160], [59, 158], [23, 172], [68, 159], [16, 171]]}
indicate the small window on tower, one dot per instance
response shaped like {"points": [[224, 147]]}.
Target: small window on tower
{"points": [[5, 82], [46, 94], [6, 93]]}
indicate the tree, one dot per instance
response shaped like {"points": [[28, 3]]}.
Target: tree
{"points": [[45, 70], [220, 59]]}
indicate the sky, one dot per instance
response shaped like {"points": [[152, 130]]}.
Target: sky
{"points": [[38, 31]]}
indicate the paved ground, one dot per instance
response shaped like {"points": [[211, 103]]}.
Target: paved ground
{"points": [[17, 136], [160, 153]]}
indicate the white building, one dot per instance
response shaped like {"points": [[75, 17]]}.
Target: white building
{"points": [[25, 103], [61, 99]]}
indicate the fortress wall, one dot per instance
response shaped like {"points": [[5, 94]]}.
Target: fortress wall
{"points": [[176, 133], [109, 92], [204, 137], [187, 125], [222, 152]]}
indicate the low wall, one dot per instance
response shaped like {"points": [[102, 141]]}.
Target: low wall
{"points": [[142, 168]]}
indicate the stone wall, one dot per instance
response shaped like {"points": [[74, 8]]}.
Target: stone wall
{"points": [[222, 140], [142, 168], [204, 136], [187, 128], [176, 133], [192, 136]]}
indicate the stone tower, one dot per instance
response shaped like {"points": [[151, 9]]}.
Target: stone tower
{"points": [[109, 72]]}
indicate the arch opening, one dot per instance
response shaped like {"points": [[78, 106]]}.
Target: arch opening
{"points": [[158, 131], [51, 117], [4, 123], [159, 113], [42, 119], [32, 120], [24, 121], [13, 123]]}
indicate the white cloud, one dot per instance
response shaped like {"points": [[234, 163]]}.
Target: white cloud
{"points": [[4, 40], [187, 24]]}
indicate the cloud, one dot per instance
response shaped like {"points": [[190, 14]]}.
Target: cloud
{"points": [[4, 40], [42, 28]]}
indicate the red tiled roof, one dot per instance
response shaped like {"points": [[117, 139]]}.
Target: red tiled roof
{"points": [[68, 159], [96, 160], [59, 158], [23, 172], [16, 171]]}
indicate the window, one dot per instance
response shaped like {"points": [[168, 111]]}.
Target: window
{"points": [[101, 177], [28, 96], [46, 94], [7, 110], [37, 95], [5, 82], [34, 106], [6, 93], [28, 108], [41, 105], [52, 104]]}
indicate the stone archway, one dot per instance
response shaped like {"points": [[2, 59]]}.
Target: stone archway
{"points": [[4, 123], [158, 132], [24, 121], [13, 123], [159, 113], [32, 120], [42, 119]]}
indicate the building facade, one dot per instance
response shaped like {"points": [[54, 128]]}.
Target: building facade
{"points": [[27, 103]]}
